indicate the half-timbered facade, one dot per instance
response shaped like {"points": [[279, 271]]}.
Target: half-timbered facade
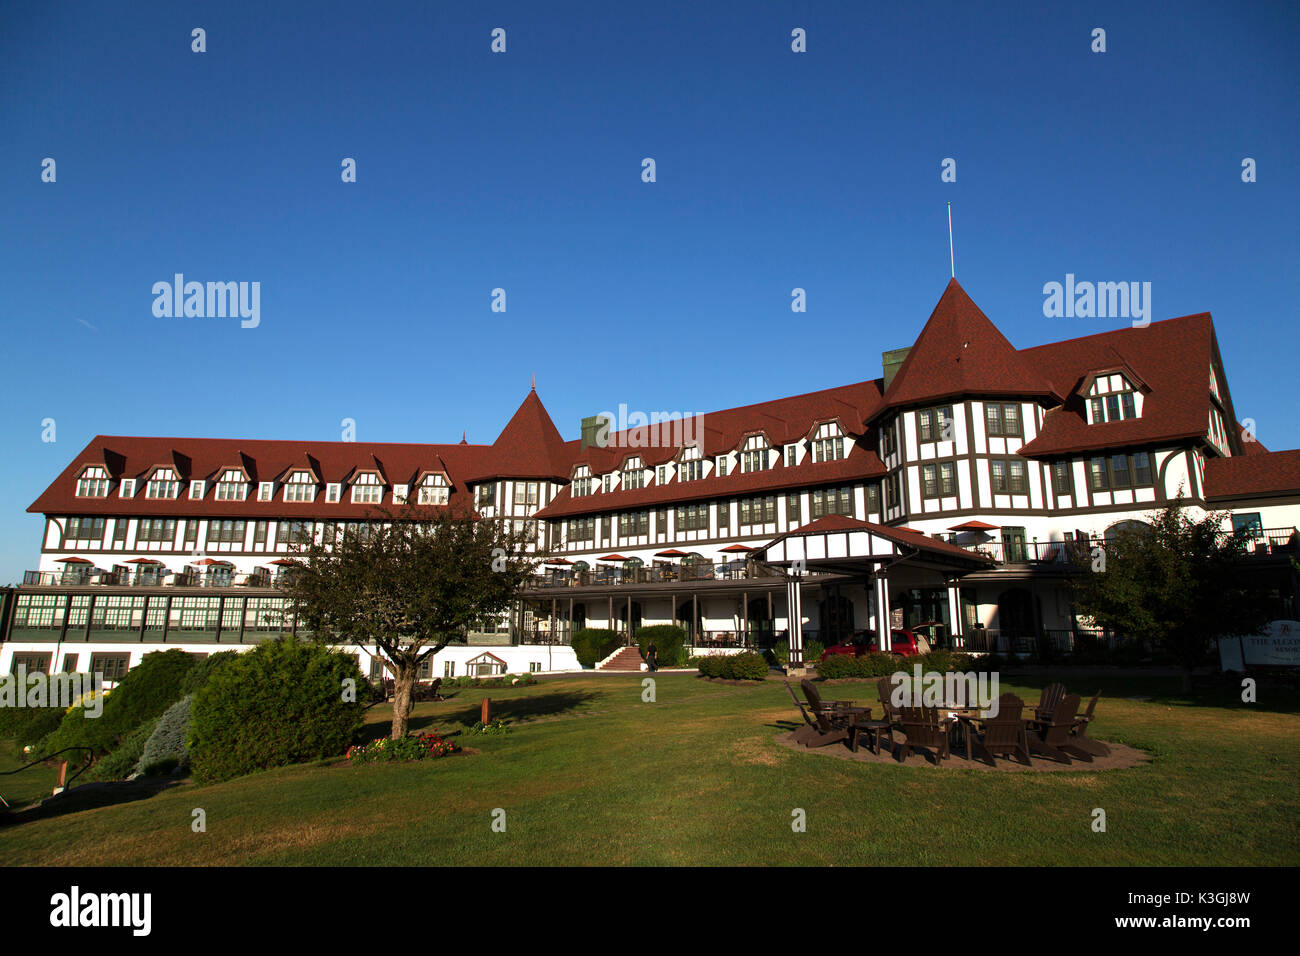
{"points": [[952, 488]]}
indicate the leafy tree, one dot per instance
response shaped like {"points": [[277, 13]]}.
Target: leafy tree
{"points": [[409, 582], [1177, 584]]}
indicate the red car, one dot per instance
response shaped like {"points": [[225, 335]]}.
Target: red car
{"points": [[864, 642]]}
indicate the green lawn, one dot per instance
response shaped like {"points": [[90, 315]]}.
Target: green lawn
{"points": [[591, 775]]}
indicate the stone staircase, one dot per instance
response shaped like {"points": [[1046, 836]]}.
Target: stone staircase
{"points": [[624, 659]]}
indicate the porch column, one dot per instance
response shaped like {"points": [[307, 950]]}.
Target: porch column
{"points": [[629, 620], [954, 612], [744, 606], [883, 639], [611, 614], [794, 622], [695, 619], [570, 628]]}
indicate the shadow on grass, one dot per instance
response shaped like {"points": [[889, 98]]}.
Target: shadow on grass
{"points": [[531, 707], [90, 796]]}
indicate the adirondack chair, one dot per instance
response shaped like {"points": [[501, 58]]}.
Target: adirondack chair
{"points": [[840, 712], [1079, 733], [922, 728], [1048, 699], [885, 688], [1051, 738], [1005, 734], [818, 730]]}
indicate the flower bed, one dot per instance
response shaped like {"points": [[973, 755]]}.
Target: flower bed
{"points": [[387, 749]]}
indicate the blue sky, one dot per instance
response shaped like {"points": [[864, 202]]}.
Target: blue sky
{"points": [[522, 171]]}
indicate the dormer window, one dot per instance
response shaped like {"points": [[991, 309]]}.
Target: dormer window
{"points": [[690, 467], [1113, 398], [232, 486], [753, 456], [367, 489], [333, 492], [721, 469], [163, 484], [196, 490], [265, 491], [633, 473], [300, 487], [828, 443], [581, 481], [434, 490], [93, 483]]}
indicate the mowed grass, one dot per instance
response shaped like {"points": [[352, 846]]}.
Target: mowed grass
{"points": [[591, 774]]}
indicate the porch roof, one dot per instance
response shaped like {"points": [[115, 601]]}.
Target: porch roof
{"points": [[851, 545]]}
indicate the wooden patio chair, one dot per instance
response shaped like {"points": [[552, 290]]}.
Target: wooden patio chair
{"points": [[1051, 737], [1047, 700], [922, 728], [1005, 735], [1079, 733], [840, 711], [818, 729]]}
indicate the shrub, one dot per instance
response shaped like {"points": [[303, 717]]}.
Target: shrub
{"points": [[593, 644], [143, 694], [940, 661], [837, 666], [388, 749], [278, 704], [28, 725], [669, 640], [866, 667], [165, 748], [205, 668], [497, 726], [123, 761], [746, 666]]}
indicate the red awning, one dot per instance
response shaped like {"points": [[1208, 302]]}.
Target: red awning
{"points": [[142, 561], [206, 562], [974, 526], [614, 557], [737, 548], [73, 561], [671, 553], [284, 562], [559, 561]]}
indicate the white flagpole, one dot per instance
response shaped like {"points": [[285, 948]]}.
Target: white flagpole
{"points": [[951, 261]]}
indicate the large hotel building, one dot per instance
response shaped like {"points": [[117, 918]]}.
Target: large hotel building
{"points": [[954, 488]]}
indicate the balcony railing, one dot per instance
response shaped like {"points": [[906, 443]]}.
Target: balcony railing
{"points": [[655, 574], [1263, 542], [188, 578]]}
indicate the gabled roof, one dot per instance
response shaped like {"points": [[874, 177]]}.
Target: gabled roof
{"points": [[1253, 475], [961, 353], [1169, 357]]}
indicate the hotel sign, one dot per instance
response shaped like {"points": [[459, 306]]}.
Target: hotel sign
{"points": [[1278, 645]]}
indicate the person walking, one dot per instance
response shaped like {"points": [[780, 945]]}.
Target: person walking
{"points": [[652, 656]]}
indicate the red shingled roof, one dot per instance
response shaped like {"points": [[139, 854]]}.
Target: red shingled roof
{"points": [[960, 352], [1172, 358], [1253, 475], [904, 536], [529, 446]]}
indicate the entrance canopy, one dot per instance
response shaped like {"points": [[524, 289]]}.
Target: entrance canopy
{"points": [[850, 546]]}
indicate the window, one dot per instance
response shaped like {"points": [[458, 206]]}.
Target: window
{"points": [[333, 491], [39, 610], [793, 510], [191, 532], [754, 455], [434, 490], [156, 529], [760, 510], [232, 486], [893, 492], [791, 454], [301, 486], [938, 480], [935, 424], [163, 484], [265, 490], [1112, 406], [1003, 419], [832, 501], [367, 489], [722, 465], [259, 533], [486, 494], [93, 483], [693, 517], [633, 523], [226, 532], [633, 474], [110, 666], [1249, 524], [1008, 475], [581, 482], [31, 663], [1013, 544], [84, 529], [128, 488], [119, 532], [873, 498], [828, 443], [1120, 471], [724, 515], [606, 482], [1062, 482], [580, 529], [449, 669], [889, 440], [293, 532], [690, 468], [196, 490]]}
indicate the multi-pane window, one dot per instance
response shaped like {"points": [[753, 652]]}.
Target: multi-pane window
{"points": [[791, 455], [760, 510], [434, 490], [935, 424], [690, 468], [293, 532], [1007, 475], [39, 610], [226, 532], [156, 529], [109, 666], [333, 491], [581, 529], [888, 440], [828, 443], [939, 480], [873, 497], [693, 517], [893, 491], [486, 494], [85, 529], [633, 523], [793, 507], [724, 515], [1115, 407], [232, 486], [301, 486], [1120, 471], [367, 489], [1002, 419], [721, 467], [633, 474], [754, 455], [93, 483], [1062, 481], [117, 612], [582, 482], [832, 501], [163, 484]]}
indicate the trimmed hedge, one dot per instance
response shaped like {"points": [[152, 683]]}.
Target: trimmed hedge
{"points": [[812, 652], [280, 703], [593, 644], [165, 748], [204, 669], [746, 666], [123, 761], [669, 640]]}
